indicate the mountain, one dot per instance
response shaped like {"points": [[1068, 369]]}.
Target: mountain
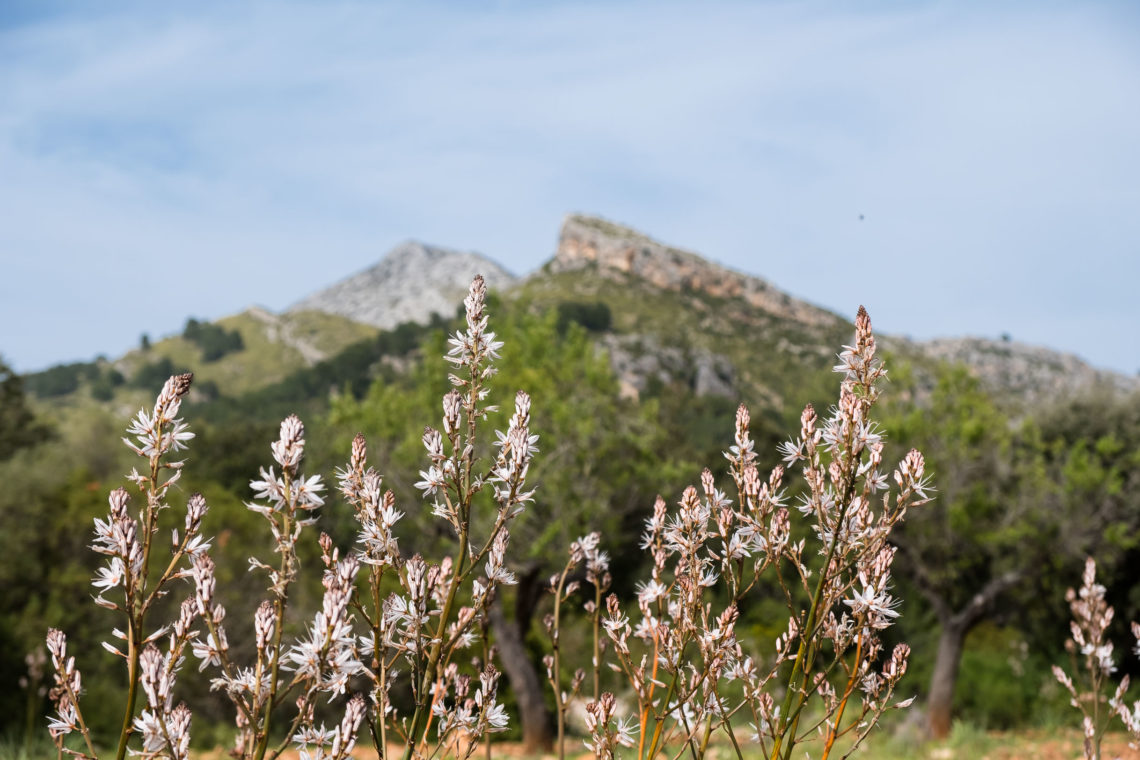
{"points": [[680, 318], [588, 240], [673, 315], [412, 282], [680, 315]]}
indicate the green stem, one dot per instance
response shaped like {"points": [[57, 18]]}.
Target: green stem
{"points": [[807, 635], [279, 605], [419, 717], [556, 680], [597, 640], [132, 689]]}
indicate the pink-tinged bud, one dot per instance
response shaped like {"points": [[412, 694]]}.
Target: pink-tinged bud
{"points": [[751, 484], [522, 407], [776, 479], [807, 422], [743, 419], [151, 676], [204, 582], [451, 408], [185, 619], [862, 326], [290, 444], [473, 303], [118, 501], [916, 465], [264, 624], [707, 483], [195, 510], [178, 725], [359, 453], [180, 384], [433, 442], [613, 606], [328, 553], [57, 643]]}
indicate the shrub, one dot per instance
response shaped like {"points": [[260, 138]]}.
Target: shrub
{"points": [[595, 316]]}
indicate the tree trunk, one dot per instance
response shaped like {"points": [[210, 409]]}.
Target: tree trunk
{"points": [[521, 672], [954, 629], [941, 699]]}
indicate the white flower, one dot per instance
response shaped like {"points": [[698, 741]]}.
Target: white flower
{"points": [[111, 576], [647, 593]]}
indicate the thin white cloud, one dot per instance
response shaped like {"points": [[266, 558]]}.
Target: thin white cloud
{"points": [[252, 152]]}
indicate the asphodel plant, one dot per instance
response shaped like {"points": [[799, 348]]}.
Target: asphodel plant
{"points": [[825, 677], [363, 639]]}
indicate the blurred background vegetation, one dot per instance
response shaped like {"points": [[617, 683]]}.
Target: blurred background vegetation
{"points": [[1025, 491]]}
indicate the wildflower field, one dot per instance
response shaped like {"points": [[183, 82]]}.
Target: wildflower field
{"points": [[761, 620]]}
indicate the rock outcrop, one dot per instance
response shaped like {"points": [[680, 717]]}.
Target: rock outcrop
{"points": [[587, 240], [278, 330], [639, 360], [1033, 373], [409, 284]]}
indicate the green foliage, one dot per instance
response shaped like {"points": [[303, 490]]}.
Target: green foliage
{"points": [[154, 374], [352, 370], [44, 579], [61, 379], [214, 341], [594, 316], [19, 427], [602, 457], [992, 511], [103, 387], [1000, 680]]}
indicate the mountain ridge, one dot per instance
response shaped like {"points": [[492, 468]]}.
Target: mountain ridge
{"points": [[586, 240], [409, 283], [675, 314]]}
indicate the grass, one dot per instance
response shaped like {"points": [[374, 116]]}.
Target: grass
{"points": [[270, 354]]}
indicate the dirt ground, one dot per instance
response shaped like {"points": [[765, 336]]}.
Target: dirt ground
{"points": [[1025, 745]]}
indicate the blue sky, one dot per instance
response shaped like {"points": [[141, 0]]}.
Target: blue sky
{"points": [[162, 160]]}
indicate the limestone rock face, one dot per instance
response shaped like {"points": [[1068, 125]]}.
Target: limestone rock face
{"points": [[1033, 373], [409, 284], [639, 359], [587, 240]]}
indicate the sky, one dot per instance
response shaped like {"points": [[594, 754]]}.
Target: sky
{"points": [[959, 168]]}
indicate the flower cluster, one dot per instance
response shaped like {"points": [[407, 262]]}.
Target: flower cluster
{"points": [[419, 628], [597, 572], [682, 658], [65, 692], [1092, 616], [324, 659], [128, 542]]}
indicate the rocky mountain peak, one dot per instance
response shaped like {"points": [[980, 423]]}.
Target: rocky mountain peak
{"points": [[588, 240], [410, 283]]}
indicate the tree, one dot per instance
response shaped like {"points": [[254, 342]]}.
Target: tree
{"points": [[19, 427], [989, 525]]}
